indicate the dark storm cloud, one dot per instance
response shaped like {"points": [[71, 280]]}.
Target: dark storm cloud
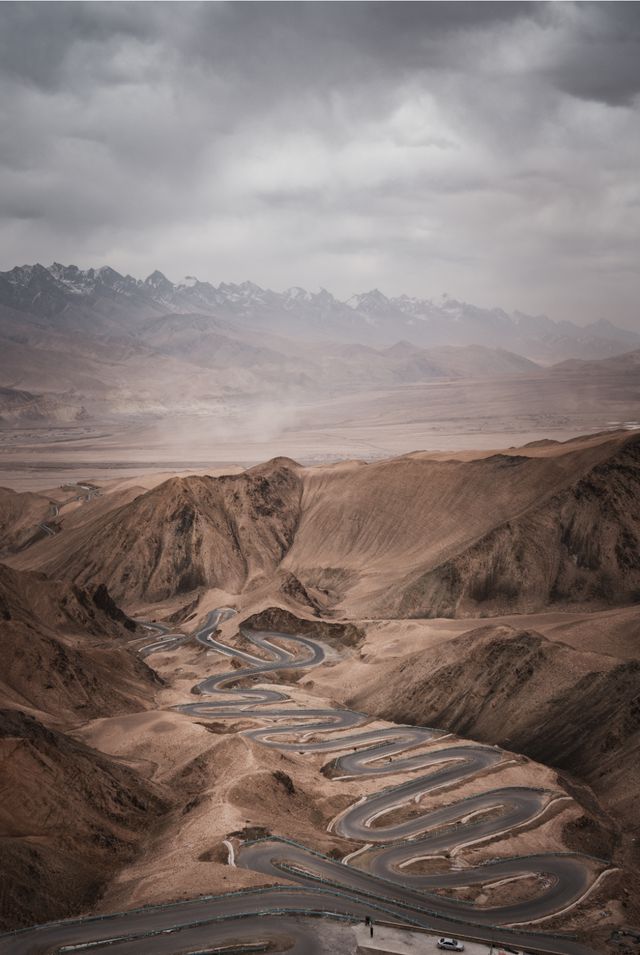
{"points": [[602, 59], [36, 37], [336, 144]]}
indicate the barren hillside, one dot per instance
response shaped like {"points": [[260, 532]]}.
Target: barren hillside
{"points": [[21, 518], [69, 818], [63, 649], [399, 538], [341, 544], [185, 534], [579, 545], [575, 710], [420, 535]]}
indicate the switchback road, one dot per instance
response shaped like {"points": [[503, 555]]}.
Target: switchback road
{"points": [[378, 880]]}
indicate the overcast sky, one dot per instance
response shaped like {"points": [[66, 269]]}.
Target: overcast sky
{"points": [[490, 151]]}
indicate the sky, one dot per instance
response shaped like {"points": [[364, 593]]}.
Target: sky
{"points": [[487, 151]]}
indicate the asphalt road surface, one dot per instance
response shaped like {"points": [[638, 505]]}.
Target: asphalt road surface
{"points": [[377, 881]]}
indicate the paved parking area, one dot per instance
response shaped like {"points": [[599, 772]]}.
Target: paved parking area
{"points": [[390, 941]]}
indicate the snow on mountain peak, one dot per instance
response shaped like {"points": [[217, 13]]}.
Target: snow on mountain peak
{"points": [[20, 274], [372, 301], [368, 317], [158, 281], [297, 294]]}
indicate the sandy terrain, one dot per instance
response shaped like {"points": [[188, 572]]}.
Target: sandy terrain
{"points": [[416, 536], [219, 785], [340, 545], [225, 783], [449, 415]]}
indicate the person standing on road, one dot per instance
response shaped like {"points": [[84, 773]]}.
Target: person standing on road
{"points": [[369, 921]]}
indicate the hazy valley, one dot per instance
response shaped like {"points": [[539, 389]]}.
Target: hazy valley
{"points": [[102, 371]]}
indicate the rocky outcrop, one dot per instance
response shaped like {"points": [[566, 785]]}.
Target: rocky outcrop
{"points": [[188, 533], [412, 537], [105, 602], [283, 621], [69, 818], [63, 653], [580, 547]]}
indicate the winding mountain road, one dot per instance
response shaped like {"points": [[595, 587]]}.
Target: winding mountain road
{"points": [[379, 879]]}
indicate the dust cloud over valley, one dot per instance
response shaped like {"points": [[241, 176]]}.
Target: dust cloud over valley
{"points": [[102, 372]]}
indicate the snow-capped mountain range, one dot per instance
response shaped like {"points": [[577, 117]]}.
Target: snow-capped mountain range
{"points": [[69, 296]]}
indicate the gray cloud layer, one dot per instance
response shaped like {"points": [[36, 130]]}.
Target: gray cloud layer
{"points": [[489, 150]]}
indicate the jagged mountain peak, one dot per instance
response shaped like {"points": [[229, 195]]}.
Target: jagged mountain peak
{"points": [[369, 318], [297, 294], [60, 271], [25, 273], [374, 300], [158, 280]]}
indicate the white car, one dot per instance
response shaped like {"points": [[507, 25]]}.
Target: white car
{"points": [[450, 944]]}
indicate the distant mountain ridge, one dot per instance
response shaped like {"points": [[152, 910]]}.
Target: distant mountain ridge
{"points": [[82, 346], [370, 318]]}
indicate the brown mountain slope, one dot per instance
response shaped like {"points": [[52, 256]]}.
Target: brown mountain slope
{"points": [[283, 621], [578, 546], [24, 408], [21, 517], [574, 710], [62, 650], [69, 818], [187, 533], [593, 731], [422, 536], [412, 536], [626, 364]]}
